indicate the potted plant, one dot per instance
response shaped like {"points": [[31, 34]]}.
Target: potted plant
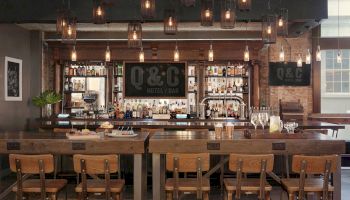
{"points": [[45, 100]]}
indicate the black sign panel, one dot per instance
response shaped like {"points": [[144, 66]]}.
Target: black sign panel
{"points": [[288, 74], [76, 146], [213, 146], [153, 79], [13, 146]]}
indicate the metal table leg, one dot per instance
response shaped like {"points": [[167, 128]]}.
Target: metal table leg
{"points": [[158, 176], [140, 177]]}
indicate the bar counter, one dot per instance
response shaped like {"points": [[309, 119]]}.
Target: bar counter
{"points": [[308, 143], [173, 124]]}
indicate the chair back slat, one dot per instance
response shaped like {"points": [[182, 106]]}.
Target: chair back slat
{"points": [[30, 163], [95, 164], [187, 162], [251, 163], [315, 164]]}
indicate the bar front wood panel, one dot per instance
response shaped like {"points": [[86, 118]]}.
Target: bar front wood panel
{"points": [[199, 142], [39, 143]]}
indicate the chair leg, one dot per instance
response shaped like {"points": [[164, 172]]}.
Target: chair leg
{"points": [[79, 195], [117, 196], [169, 196], [267, 196], [205, 195], [229, 195], [291, 196]]}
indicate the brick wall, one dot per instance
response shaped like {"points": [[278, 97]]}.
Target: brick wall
{"points": [[271, 94]]}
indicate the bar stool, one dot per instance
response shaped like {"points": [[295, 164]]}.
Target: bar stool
{"points": [[97, 165], [35, 164], [178, 163], [311, 165], [241, 163]]}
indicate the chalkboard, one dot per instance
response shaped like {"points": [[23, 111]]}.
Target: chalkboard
{"points": [[288, 74], [155, 79]]}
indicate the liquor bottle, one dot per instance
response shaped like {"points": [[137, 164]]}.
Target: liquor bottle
{"points": [[75, 85], [247, 71], [70, 85], [233, 69], [71, 71], [207, 111], [88, 71], [229, 87], [209, 86], [234, 87], [66, 85], [228, 71], [224, 71], [220, 71], [66, 70], [190, 86], [245, 87], [215, 73], [223, 87], [93, 72]]}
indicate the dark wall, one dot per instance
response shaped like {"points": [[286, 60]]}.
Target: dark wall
{"points": [[26, 45]]}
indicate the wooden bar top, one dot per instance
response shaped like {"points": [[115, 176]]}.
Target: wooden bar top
{"points": [[201, 141], [341, 118], [49, 142], [173, 124]]}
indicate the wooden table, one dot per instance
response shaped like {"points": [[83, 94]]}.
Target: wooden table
{"points": [[201, 142], [47, 142]]}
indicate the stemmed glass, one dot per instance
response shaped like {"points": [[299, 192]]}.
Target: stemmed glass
{"points": [[263, 119], [254, 119]]}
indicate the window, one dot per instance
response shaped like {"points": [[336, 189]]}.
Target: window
{"points": [[335, 76], [329, 27]]}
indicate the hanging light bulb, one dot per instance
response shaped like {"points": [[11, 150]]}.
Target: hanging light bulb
{"points": [[211, 53], [299, 61], [269, 29], [339, 56], [69, 30], [141, 55], [99, 11], [318, 53], [280, 22], [134, 35], [147, 4], [207, 13], [281, 55], [176, 54], [108, 54], [170, 21], [74, 54], [308, 57], [246, 54], [228, 14]]}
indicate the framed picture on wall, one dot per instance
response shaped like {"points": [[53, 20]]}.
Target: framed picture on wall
{"points": [[13, 79]]}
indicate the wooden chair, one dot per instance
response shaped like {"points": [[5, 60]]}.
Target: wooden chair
{"points": [[311, 165], [178, 163], [35, 164], [241, 163], [96, 165]]}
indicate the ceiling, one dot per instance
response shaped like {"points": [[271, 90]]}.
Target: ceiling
{"points": [[41, 15]]}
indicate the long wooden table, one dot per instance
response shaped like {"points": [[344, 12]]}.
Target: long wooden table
{"points": [[260, 143], [48, 142]]}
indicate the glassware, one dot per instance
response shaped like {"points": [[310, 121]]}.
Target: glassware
{"points": [[254, 119], [263, 119]]}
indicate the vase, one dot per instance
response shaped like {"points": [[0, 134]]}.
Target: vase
{"points": [[48, 110]]}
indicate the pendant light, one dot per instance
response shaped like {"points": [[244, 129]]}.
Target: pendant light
{"points": [[207, 8], [246, 51], [73, 55], [108, 54], [170, 22], [141, 55], [211, 53], [98, 12], [228, 14], [339, 54], [244, 5], [318, 51], [281, 54], [134, 35], [176, 54], [299, 61], [308, 57], [61, 21], [148, 9], [269, 33], [69, 33], [282, 22]]}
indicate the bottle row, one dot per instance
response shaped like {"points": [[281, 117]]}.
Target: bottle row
{"points": [[231, 70], [217, 109], [216, 86], [75, 85], [94, 70]]}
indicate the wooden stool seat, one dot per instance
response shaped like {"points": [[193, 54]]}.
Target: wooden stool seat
{"points": [[187, 184], [311, 185], [100, 186], [33, 185], [247, 185]]}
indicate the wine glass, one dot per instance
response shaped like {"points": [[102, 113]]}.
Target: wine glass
{"points": [[254, 119], [263, 119]]}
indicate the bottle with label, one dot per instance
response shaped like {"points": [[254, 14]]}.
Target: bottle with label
{"points": [[245, 87], [215, 73], [93, 72], [66, 85], [234, 87], [228, 71], [70, 86], [220, 71], [224, 71], [66, 70], [229, 87], [243, 71], [88, 72], [233, 69], [223, 87]]}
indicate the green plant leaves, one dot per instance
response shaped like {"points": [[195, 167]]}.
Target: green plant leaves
{"points": [[47, 97]]}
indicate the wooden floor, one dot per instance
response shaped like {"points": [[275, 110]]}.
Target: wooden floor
{"points": [[214, 194]]}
